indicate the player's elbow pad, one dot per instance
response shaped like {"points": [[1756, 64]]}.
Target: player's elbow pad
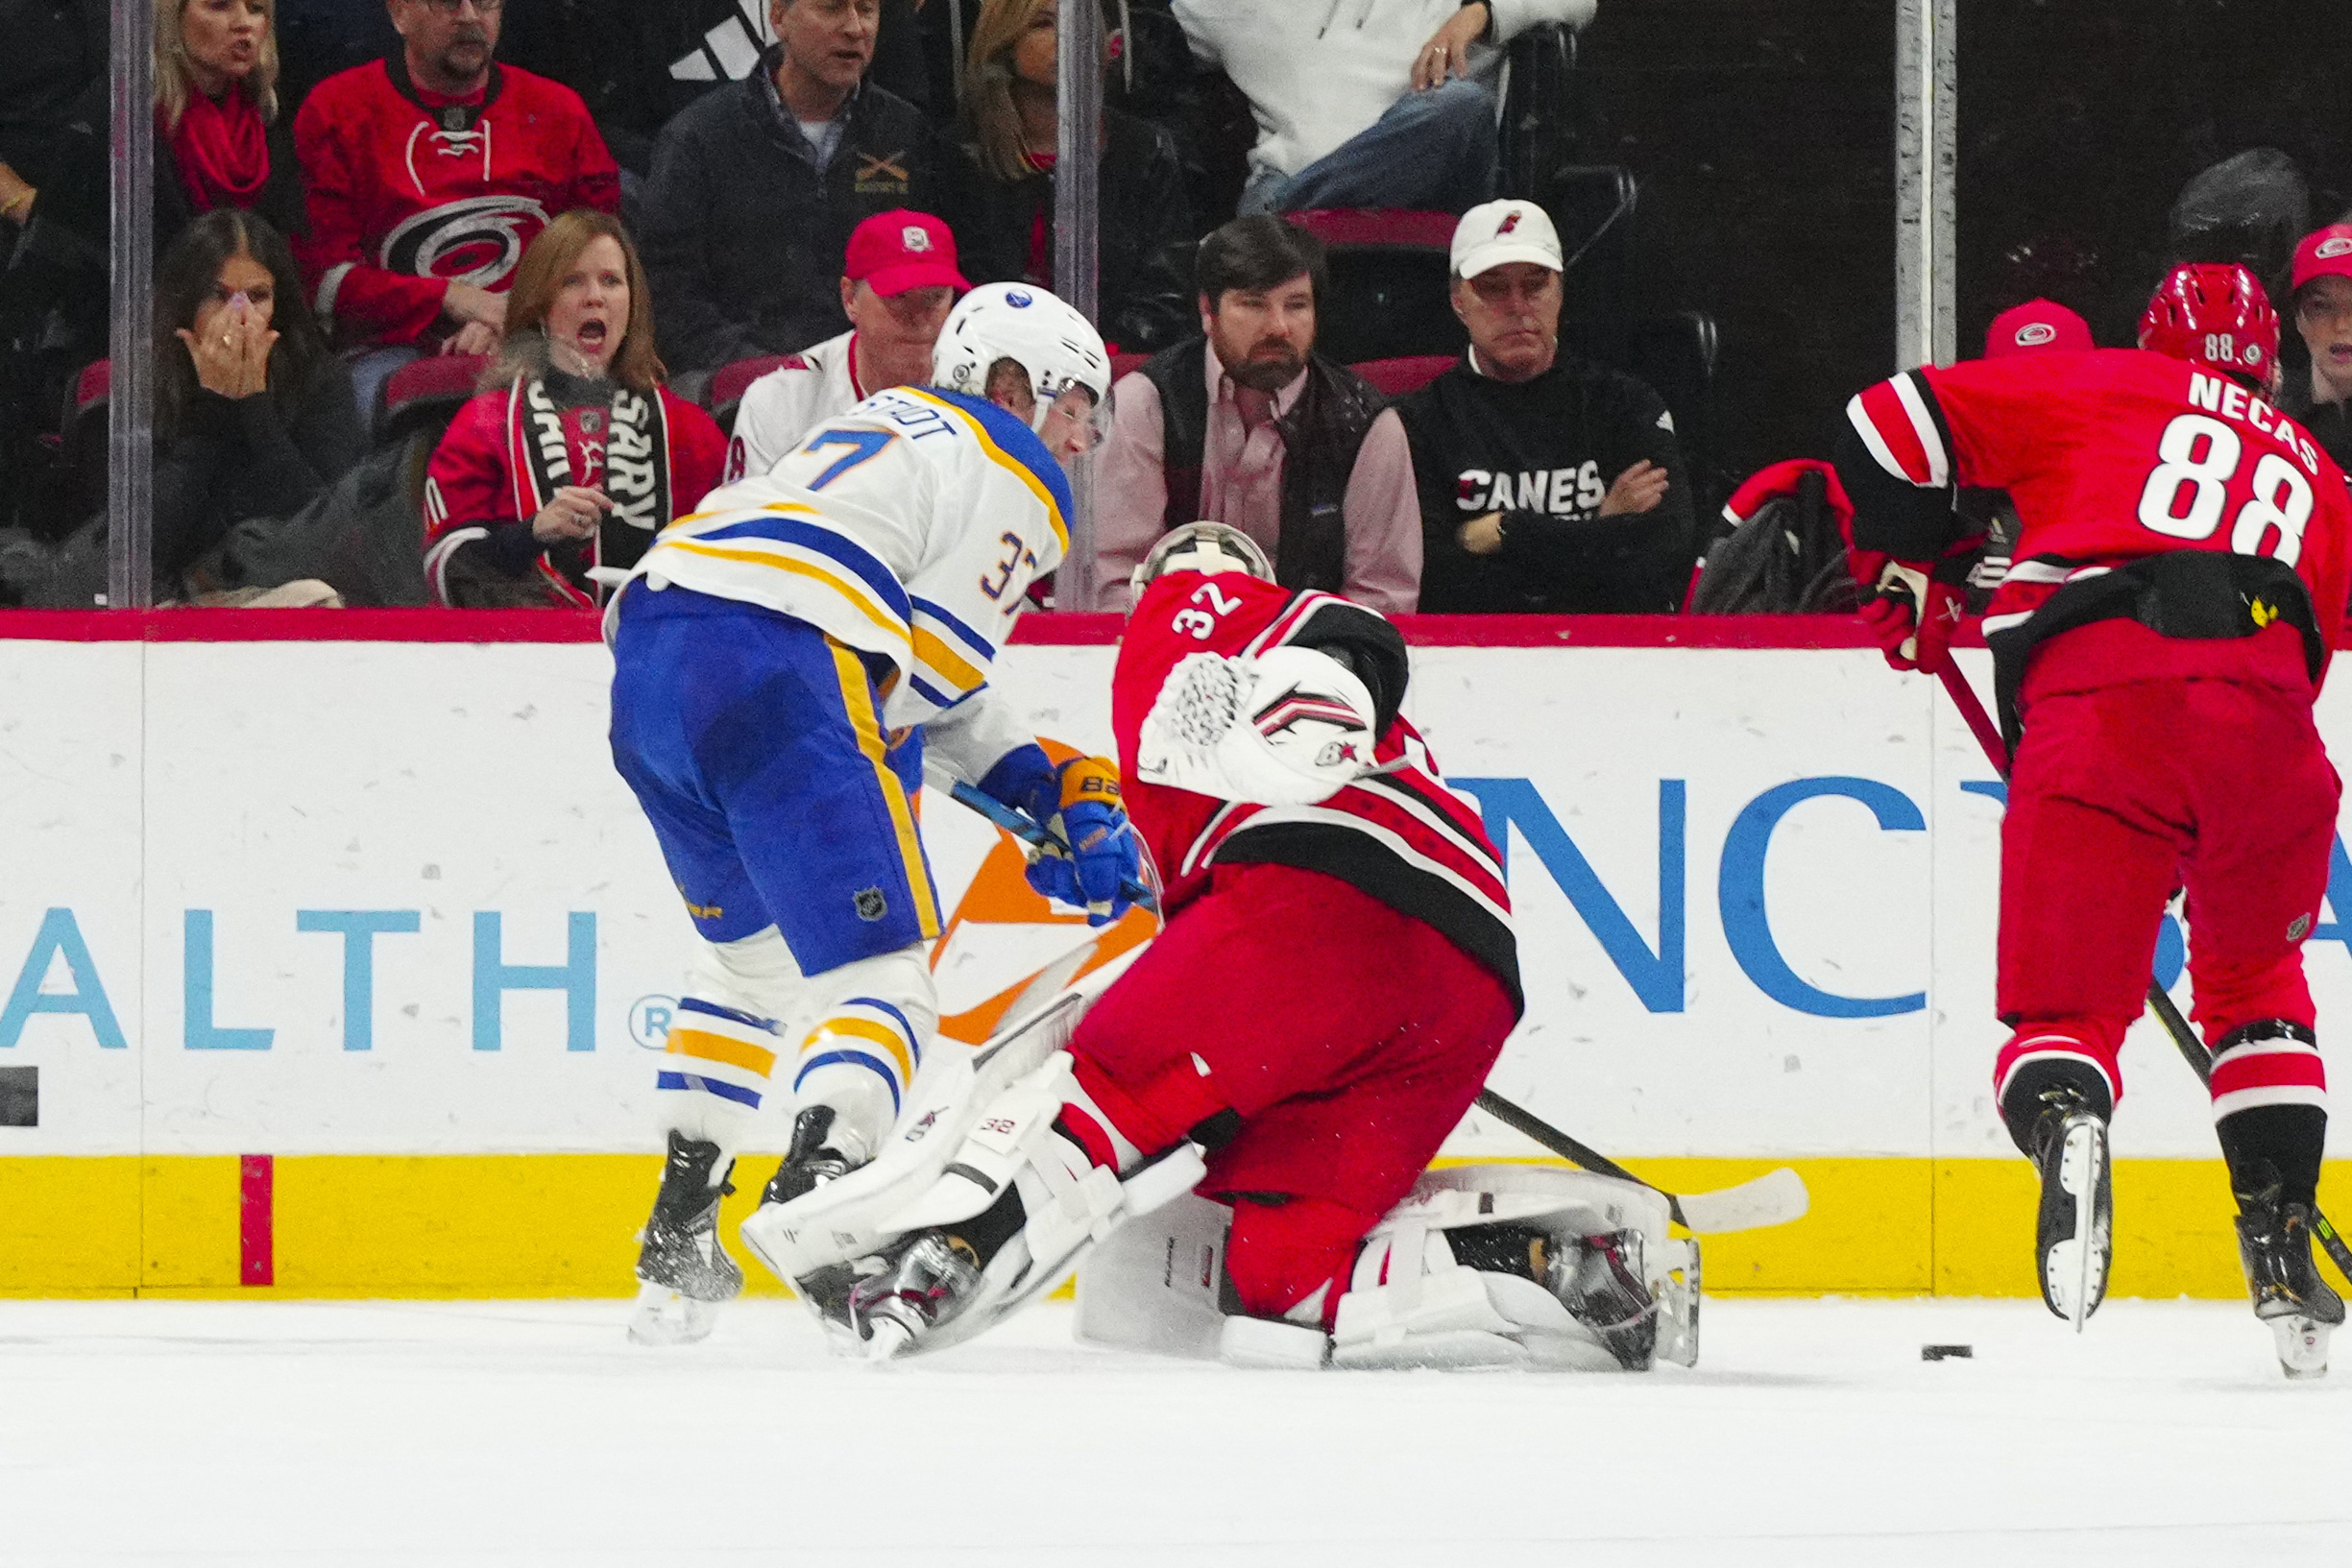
{"points": [[1290, 727]]}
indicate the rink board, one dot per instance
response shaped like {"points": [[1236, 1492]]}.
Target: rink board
{"points": [[336, 966]]}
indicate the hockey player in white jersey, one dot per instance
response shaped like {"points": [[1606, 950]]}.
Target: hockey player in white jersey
{"points": [[898, 281], [784, 660]]}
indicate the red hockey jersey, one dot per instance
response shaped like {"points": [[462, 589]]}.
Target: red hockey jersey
{"points": [[1401, 836], [409, 192], [2113, 459]]}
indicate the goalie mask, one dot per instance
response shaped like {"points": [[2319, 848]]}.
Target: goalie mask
{"points": [[1206, 547]]}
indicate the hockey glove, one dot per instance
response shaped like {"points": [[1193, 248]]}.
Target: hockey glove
{"points": [[1914, 612], [1290, 727], [1076, 802]]}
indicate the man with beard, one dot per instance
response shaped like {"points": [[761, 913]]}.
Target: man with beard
{"points": [[427, 173], [1248, 426]]}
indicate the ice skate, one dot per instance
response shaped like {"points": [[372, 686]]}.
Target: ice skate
{"points": [[1597, 1278], [2073, 1232], [682, 1271], [808, 1161], [926, 1282], [2287, 1288]]}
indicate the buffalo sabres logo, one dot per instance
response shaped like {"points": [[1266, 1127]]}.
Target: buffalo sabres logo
{"points": [[1017, 299], [476, 239]]}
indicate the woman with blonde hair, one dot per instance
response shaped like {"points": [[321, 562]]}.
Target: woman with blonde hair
{"points": [[1013, 126], [220, 140], [575, 454]]}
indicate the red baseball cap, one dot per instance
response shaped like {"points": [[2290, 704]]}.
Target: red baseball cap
{"points": [[2325, 253], [2037, 324], [899, 250]]}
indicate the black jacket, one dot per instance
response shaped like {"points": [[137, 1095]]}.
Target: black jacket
{"points": [[264, 456], [743, 236], [1146, 302], [1544, 452], [2330, 423]]}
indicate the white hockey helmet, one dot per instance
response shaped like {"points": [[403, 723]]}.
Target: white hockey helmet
{"points": [[1207, 547], [1054, 343]]}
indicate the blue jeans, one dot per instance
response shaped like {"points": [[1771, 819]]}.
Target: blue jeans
{"points": [[1432, 151]]}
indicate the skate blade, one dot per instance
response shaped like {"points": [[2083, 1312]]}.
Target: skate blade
{"points": [[2077, 1269], [2302, 1344], [664, 1317], [890, 1340]]}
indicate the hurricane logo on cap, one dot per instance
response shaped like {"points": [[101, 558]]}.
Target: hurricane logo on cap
{"points": [[1017, 299], [2033, 334], [2328, 248], [914, 237]]}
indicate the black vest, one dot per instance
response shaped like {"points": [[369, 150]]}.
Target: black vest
{"points": [[1321, 436]]}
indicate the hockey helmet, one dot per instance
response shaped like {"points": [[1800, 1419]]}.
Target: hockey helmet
{"points": [[1207, 547], [1057, 347], [2214, 314]]}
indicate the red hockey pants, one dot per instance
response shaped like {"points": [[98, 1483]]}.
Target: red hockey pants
{"points": [[1347, 1038]]}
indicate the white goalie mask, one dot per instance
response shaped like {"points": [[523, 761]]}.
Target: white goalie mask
{"points": [[1059, 348], [1205, 547]]}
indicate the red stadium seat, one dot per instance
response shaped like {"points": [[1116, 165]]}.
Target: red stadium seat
{"points": [[729, 382], [428, 391], [1394, 378], [1389, 274]]}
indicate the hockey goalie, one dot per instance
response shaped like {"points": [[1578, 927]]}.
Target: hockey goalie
{"points": [[1237, 1123]]}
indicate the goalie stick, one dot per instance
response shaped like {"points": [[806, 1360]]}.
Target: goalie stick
{"points": [[2159, 1000], [1772, 1199]]}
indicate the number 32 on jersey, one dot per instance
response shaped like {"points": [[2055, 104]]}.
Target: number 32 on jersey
{"points": [[2187, 491]]}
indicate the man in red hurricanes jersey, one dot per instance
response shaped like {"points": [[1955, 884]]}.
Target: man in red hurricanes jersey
{"points": [[2177, 591], [1336, 976], [428, 171]]}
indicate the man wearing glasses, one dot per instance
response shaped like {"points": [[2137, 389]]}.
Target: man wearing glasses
{"points": [[428, 171]]}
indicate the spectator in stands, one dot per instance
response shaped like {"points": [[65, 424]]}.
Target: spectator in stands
{"points": [[899, 284], [1011, 121], [1372, 103], [1548, 483], [2321, 402], [254, 414], [576, 454], [1248, 426], [429, 172], [757, 186], [219, 140]]}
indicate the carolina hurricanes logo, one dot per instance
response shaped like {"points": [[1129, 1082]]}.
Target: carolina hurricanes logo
{"points": [[2033, 334], [476, 239], [1510, 220], [914, 237], [2329, 249]]}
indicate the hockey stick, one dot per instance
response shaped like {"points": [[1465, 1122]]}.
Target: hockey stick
{"points": [[1774, 1198], [2159, 1000]]}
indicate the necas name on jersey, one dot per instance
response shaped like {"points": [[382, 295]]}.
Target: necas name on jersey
{"points": [[2219, 395]]}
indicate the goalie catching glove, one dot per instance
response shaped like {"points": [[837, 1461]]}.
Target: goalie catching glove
{"points": [[1290, 727]]}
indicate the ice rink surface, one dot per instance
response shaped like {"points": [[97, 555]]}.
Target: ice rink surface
{"points": [[1811, 1432]]}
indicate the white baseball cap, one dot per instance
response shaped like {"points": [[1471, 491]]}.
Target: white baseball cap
{"points": [[1498, 231]]}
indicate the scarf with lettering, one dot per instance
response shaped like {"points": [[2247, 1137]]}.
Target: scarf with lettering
{"points": [[221, 151], [565, 430]]}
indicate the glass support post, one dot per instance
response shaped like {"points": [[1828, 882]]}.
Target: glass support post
{"points": [[131, 387], [1926, 227], [1077, 212]]}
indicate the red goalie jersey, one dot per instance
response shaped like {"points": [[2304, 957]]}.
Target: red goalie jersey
{"points": [[1400, 837], [2146, 487], [409, 192]]}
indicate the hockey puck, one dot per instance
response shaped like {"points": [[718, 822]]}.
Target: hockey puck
{"points": [[1947, 1353]]}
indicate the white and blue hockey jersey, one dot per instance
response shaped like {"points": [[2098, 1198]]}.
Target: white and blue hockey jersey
{"points": [[910, 527]]}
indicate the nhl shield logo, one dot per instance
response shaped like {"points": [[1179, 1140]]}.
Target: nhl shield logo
{"points": [[454, 117], [870, 904]]}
